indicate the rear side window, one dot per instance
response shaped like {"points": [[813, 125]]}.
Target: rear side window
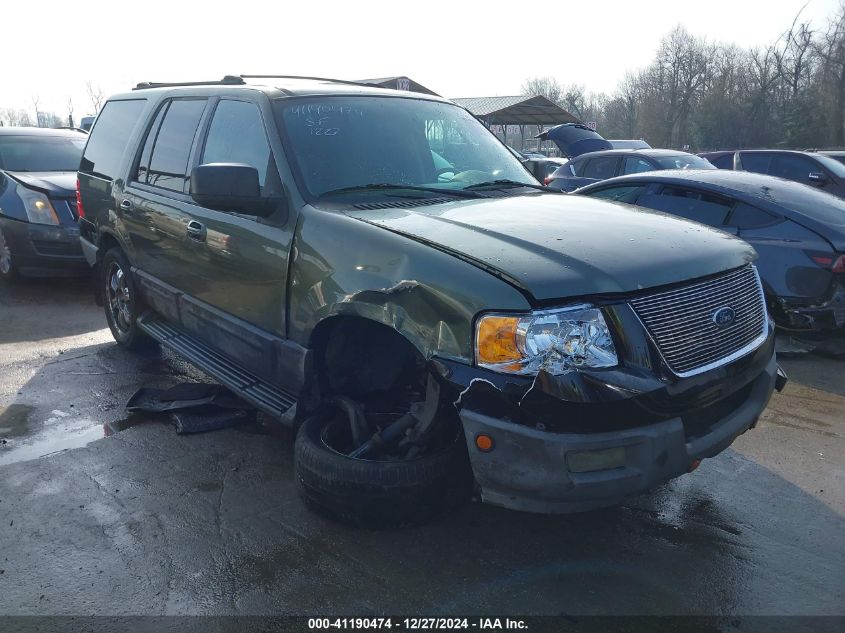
{"points": [[688, 203], [110, 136], [171, 145], [758, 163], [628, 193], [600, 168], [237, 135], [747, 217], [723, 162]]}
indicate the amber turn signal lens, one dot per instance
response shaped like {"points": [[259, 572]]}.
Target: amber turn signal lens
{"points": [[484, 443], [496, 340]]}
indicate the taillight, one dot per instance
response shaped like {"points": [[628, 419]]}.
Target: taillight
{"points": [[835, 263], [79, 208], [547, 180]]}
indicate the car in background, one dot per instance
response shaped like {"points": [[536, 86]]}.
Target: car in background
{"points": [[836, 154], [597, 166], [628, 144], [86, 122], [798, 232], [810, 168], [39, 235], [543, 168]]}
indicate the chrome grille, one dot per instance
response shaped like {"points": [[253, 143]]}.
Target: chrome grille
{"points": [[683, 325]]}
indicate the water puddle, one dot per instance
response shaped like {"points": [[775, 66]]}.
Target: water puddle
{"points": [[25, 435]]}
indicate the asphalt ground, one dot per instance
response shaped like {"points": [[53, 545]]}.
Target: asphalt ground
{"points": [[147, 522]]}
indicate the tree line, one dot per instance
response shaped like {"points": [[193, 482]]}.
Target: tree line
{"points": [[707, 95], [38, 117]]}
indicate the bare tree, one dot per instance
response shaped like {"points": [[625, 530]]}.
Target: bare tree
{"points": [[95, 95], [831, 50], [545, 86], [35, 101]]}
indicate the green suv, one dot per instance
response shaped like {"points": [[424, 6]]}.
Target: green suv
{"points": [[375, 269]]}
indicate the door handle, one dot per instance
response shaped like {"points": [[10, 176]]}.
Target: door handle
{"points": [[196, 231], [125, 205]]}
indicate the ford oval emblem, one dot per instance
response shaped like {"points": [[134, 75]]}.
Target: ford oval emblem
{"points": [[723, 317]]}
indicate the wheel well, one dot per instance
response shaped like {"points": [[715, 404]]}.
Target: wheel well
{"points": [[362, 359], [107, 242]]}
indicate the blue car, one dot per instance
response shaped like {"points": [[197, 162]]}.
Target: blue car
{"points": [[39, 235], [797, 231], [594, 158]]}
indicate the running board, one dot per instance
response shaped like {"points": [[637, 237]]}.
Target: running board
{"points": [[266, 397]]}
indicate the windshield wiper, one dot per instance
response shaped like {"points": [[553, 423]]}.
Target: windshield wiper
{"points": [[384, 186], [506, 184]]}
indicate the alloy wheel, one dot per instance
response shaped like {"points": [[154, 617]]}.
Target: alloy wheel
{"points": [[119, 298]]}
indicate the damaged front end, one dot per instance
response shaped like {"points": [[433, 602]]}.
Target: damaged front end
{"points": [[578, 437]]}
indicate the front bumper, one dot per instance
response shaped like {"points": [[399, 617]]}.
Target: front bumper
{"points": [[647, 425], [45, 251]]}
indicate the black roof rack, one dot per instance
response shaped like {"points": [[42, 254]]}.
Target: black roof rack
{"points": [[336, 81], [228, 80]]}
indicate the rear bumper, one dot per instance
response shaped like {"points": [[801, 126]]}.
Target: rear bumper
{"points": [[45, 251], [538, 471]]}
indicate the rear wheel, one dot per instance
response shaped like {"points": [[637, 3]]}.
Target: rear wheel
{"points": [[8, 271], [121, 301]]}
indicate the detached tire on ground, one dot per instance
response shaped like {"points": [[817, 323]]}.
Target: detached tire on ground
{"points": [[379, 494]]}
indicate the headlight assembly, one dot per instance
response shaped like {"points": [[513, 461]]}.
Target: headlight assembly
{"points": [[553, 340], [38, 208]]}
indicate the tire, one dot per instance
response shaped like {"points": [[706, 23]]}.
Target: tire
{"points": [[121, 302], [379, 494], [8, 270]]}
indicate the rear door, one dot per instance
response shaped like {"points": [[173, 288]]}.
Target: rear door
{"points": [[156, 206]]}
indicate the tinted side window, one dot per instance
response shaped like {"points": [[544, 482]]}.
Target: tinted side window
{"points": [[747, 217], [169, 158], [237, 135], [627, 194], [144, 162], [758, 163], [793, 167], [636, 165], [110, 136], [724, 162], [601, 167], [577, 167], [688, 203]]}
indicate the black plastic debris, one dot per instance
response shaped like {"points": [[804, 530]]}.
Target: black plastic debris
{"points": [[193, 407]]}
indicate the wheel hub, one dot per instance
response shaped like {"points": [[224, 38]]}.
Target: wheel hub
{"points": [[119, 297]]}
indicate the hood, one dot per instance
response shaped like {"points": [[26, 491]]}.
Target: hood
{"points": [[575, 139], [59, 184], [554, 246]]}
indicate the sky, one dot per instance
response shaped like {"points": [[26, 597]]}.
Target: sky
{"points": [[457, 48]]}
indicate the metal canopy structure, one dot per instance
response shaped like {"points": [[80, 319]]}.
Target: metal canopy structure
{"points": [[517, 110], [399, 83]]}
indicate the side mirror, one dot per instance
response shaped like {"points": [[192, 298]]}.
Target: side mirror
{"points": [[230, 187], [817, 178]]}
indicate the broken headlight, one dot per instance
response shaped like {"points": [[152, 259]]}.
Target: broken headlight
{"points": [[552, 340]]}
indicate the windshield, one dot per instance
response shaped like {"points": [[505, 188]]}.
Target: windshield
{"points": [[683, 161], [339, 142], [40, 153], [833, 165]]}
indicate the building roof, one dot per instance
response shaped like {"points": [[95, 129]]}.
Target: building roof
{"points": [[399, 83], [517, 110]]}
